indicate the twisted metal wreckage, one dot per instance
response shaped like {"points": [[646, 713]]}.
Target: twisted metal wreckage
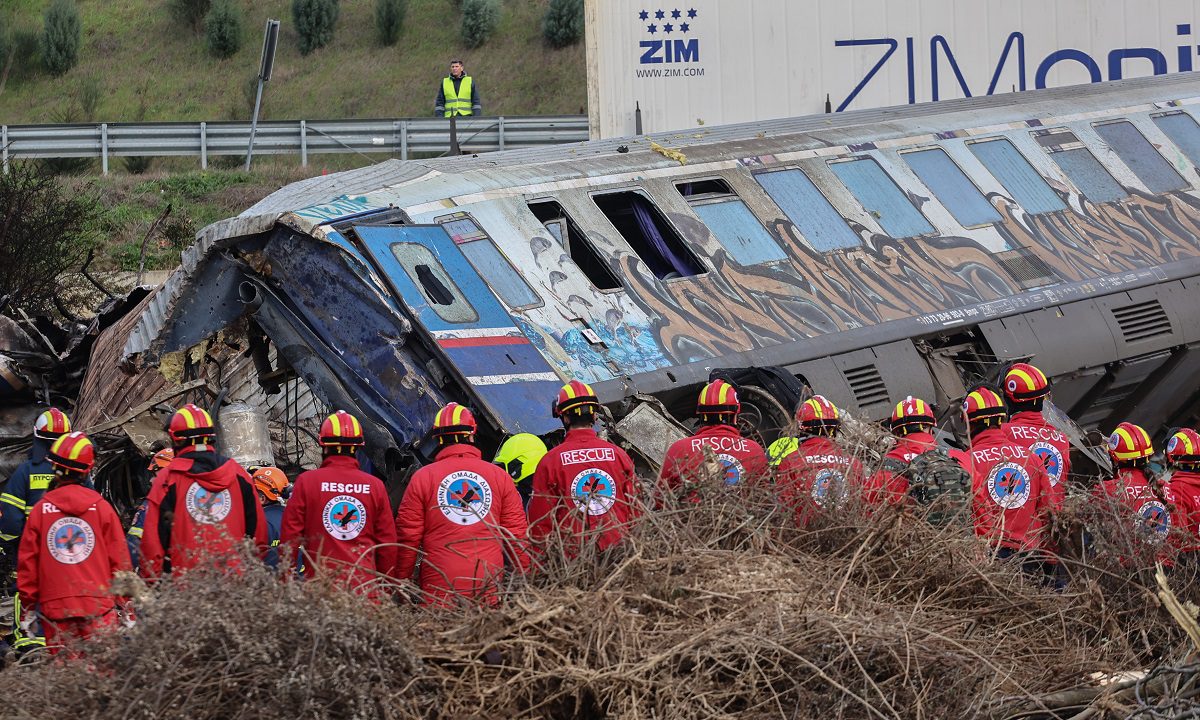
{"points": [[869, 255]]}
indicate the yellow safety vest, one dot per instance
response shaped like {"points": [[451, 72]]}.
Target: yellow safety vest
{"points": [[457, 103]]}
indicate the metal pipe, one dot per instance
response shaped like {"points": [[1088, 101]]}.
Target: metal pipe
{"points": [[254, 123]]}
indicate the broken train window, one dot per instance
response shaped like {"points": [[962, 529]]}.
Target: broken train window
{"points": [[950, 185], [585, 256], [427, 273], [807, 208], [1140, 156], [649, 235], [487, 259], [1083, 169], [880, 196], [1023, 183], [730, 221]]}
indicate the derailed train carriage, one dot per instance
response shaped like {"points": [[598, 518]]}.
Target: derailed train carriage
{"points": [[870, 254]]}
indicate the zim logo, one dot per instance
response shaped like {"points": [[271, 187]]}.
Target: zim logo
{"points": [[70, 540], [344, 517], [1008, 484], [1051, 458], [667, 30]]}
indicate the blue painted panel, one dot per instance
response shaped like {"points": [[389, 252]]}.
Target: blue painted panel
{"points": [[1018, 177], [817, 220], [1141, 157], [480, 360], [736, 228], [881, 197], [1184, 132], [952, 187], [1088, 175], [499, 273]]}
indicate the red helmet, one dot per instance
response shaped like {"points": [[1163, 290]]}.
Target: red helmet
{"points": [[454, 419], [191, 423], [575, 397], [51, 424], [817, 412], [73, 452], [1024, 382], [1129, 442], [341, 429], [1184, 447], [270, 482], [983, 403], [912, 411], [161, 459], [718, 398]]}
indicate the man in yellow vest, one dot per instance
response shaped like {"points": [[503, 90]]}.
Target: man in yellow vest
{"points": [[457, 95]]}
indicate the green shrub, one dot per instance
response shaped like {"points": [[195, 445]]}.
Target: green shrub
{"points": [[315, 20], [189, 12], [479, 19], [223, 29], [389, 19], [562, 25], [61, 34]]}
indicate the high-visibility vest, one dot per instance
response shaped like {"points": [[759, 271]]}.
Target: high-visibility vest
{"points": [[457, 103]]}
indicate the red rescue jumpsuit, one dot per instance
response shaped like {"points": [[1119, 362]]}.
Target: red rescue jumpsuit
{"points": [[200, 505], [740, 457], [584, 485], [340, 514], [1185, 486], [465, 515], [71, 548], [1155, 520], [816, 476], [891, 488], [1009, 491]]}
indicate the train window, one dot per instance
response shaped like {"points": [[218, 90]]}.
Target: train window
{"points": [[809, 210], [427, 273], [1018, 177], [488, 261], [881, 197], [952, 187], [730, 221], [583, 254], [649, 234], [1182, 129], [1136, 151], [1080, 165]]}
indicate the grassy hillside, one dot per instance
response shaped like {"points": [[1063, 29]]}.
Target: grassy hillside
{"points": [[144, 64]]}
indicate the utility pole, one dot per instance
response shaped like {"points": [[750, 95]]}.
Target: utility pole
{"points": [[266, 64]]}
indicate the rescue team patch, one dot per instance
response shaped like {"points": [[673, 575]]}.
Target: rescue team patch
{"points": [[464, 497], [207, 507], [71, 540], [829, 487], [733, 469], [1154, 520], [1009, 486], [1172, 444], [344, 517], [593, 491], [1051, 458]]}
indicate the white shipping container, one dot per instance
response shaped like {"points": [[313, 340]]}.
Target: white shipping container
{"points": [[709, 62]]}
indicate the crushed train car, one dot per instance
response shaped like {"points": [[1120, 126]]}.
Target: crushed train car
{"points": [[870, 254]]}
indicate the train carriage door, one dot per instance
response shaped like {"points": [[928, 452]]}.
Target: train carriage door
{"points": [[478, 338]]}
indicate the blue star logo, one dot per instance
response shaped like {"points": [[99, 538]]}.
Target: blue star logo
{"points": [[668, 28], [659, 14], [684, 27], [692, 14], [675, 14], [653, 28], [643, 15]]}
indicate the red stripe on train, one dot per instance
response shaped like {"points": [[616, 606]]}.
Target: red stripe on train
{"points": [[453, 342]]}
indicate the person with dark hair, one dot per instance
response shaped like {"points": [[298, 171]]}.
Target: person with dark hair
{"points": [[458, 95], [464, 514], [815, 474], [584, 487], [72, 548], [716, 445], [339, 515], [201, 505]]}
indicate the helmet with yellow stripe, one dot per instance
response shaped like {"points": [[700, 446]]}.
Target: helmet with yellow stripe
{"points": [[820, 416], [1183, 448], [1025, 384], [454, 423], [72, 453], [191, 425], [911, 415], [575, 399], [51, 424], [984, 406], [718, 399], [341, 430], [1130, 444]]}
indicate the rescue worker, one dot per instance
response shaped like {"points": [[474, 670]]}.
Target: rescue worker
{"points": [[1136, 490], [912, 423], [464, 514], [1009, 485], [133, 538], [1183, 458], [716, 437], [339, 515], [72, 548], [201, 505], [271, 484], [584, 487], [816, 475], [22, 492], [519, 456], [458, 95]]}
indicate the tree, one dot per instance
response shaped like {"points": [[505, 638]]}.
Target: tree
{"points": [[223, 29], [562, 25], [46, 230], [479, 19], [61, 35], [189, 12], [315, 20], [389, 19]]}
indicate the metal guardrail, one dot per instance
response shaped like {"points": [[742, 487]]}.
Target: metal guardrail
{"points": [[403, 137]]}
